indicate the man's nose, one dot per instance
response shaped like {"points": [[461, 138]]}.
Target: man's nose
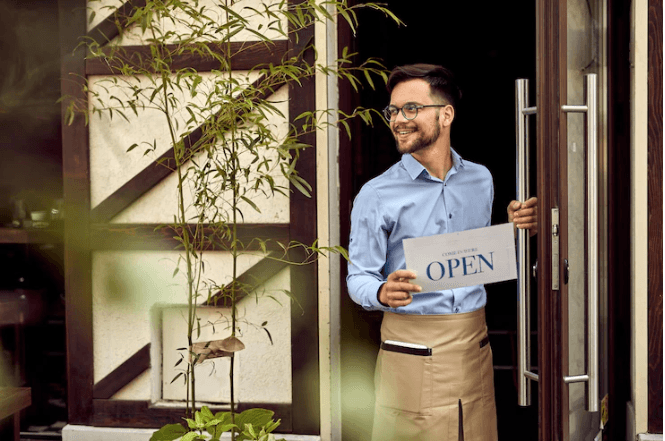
{"points": [[399, 117]]}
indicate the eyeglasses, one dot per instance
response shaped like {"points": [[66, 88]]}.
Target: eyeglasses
{"points": [[409, 111]]}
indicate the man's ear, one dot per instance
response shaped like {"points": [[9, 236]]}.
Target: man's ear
{"points": [[447, 115]]}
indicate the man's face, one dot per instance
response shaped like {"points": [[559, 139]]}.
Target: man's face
{"points": [[421, 132]]}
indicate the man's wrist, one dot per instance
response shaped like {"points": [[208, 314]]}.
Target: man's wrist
{"points": [[378, 296]]}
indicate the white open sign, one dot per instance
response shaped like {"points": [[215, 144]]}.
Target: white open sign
{"points": [[465, 258]]}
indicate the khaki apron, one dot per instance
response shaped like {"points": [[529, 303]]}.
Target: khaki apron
{"points": [[424, 397]]}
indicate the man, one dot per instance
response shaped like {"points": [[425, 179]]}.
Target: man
{"points": [[443, 390]]}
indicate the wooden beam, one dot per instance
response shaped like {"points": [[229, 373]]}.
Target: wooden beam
{"points": [[35, 235], [248, 281], [304, 285], [123, 374], [161, 237], [13, 400], [76, 190], [150, 176], [110, 27], [245, 55]]}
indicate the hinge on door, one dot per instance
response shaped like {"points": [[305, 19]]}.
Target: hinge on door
{"points": [[555, 248]]}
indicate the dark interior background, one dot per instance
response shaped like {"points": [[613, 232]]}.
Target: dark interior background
{"points": [[31, 161], [32, 355], [487, 48]]}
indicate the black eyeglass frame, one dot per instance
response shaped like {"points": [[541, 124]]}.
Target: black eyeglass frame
{"points": [[388, 114]]}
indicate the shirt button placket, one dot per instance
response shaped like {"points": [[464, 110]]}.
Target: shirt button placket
{"points": [[446, 215]]}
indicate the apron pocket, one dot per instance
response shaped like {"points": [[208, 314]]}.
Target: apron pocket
{"points": [[404, 382]]}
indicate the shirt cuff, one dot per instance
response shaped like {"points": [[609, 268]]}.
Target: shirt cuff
{"points": [[377, 302], [374, 300]]}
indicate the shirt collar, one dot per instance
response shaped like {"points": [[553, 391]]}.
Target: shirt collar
{"points": [[415, 168]]}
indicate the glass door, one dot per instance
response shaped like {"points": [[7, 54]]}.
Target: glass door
{"points": [[570, 110], [584, 221]]}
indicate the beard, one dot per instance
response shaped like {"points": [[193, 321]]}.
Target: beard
{"points": [[420, 140]]}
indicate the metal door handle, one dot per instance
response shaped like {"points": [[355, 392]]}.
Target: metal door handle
{"points": [[591, 110], [523, 281]]}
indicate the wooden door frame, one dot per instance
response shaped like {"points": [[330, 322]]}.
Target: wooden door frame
{"points": [[88, 230], [550, 78], [655, 213]]}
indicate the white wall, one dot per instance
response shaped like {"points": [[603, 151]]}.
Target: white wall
{"points": [[136, 297], [97, 11]]}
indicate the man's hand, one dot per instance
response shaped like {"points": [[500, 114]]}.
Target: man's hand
{"points": [[524, 215], [397, 290]]}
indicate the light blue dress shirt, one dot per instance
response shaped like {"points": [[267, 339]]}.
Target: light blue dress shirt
{"points": [[404, 202]]}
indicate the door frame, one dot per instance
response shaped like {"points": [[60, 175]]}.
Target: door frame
{"points": [[550, 80]]}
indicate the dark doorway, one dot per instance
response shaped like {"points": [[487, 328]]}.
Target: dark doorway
{"points": [[488, 47]]}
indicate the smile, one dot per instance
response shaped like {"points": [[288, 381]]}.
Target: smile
{"points": [[405, 131]]}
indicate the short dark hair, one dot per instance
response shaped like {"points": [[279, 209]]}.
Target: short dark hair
{"points": [[441, 80]]}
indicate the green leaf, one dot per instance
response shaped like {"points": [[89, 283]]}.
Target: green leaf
{"points": [[223, 428], [249, 428], [176, 377], [199, 419], [224, 416], [190, 436], [207, 414], [197, 81], [193, 117], [212, 423], [347, 128], [348, 20], [369, 79], [251, 204], [256, 417], [169, 432], [301, 185], [269, 336]]}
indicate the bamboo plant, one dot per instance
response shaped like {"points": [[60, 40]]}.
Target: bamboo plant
{"points": [[227, 154]]}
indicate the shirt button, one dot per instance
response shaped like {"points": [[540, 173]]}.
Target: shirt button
{"points": [[450, 216], [457, 309]]}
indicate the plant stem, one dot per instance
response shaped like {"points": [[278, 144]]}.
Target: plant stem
{"points": [[234, 230], [179, 156]]}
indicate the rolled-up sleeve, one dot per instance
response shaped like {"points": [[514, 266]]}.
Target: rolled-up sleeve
{"points": [[368, 245]]}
